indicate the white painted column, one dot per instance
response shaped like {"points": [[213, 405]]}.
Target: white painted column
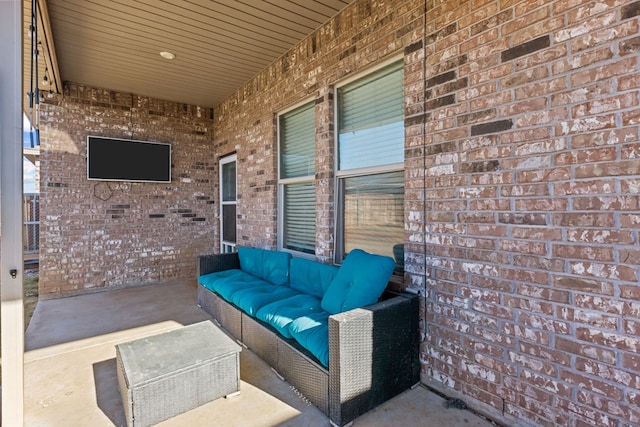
{"points": [[11, 287]]}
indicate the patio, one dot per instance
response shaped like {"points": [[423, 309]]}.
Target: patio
{"points": [[70, 369], [513, 183]]}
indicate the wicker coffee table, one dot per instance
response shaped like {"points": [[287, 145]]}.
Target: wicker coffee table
{"points": [[164, 375]]}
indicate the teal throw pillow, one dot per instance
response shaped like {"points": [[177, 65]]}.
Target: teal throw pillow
{"points": [[360, 281]]}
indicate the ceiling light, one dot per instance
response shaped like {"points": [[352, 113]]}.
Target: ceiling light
{"points": [[167, 55]]}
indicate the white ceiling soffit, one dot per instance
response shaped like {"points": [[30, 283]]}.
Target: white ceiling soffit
{"points": [[219, 45]]}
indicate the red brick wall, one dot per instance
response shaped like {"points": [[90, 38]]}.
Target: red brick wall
{"points": [[531, 182], [96, 235], [522, 176]]}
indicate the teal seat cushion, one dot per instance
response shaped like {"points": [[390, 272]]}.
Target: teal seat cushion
{"points": [[229, 286], [272, 266], [360, 281], [210, 280], [312, 332], [250, 300], [311, 277], [280, 314]]}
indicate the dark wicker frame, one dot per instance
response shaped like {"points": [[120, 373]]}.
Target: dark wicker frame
{"points": [[373, 351]]}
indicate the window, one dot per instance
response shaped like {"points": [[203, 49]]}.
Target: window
{"points": [[228, 202], [296, 131], [370, 166]]}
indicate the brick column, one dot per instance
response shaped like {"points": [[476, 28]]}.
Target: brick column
{"points": [[325, 174]]}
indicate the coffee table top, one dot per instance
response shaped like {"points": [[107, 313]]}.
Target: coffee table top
{"points": [[150, 358]]}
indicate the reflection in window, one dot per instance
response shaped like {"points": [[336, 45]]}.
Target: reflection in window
{"points": [[374, 212], [299, 219]]}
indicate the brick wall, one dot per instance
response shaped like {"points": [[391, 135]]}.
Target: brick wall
{"points": [[97, 234], [531, 237], [360, 37], [521, 202]]}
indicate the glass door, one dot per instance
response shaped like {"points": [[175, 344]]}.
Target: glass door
{"points": [[228, 203]]}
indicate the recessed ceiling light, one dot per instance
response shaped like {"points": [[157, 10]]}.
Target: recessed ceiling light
{"points": [[167, 55]]}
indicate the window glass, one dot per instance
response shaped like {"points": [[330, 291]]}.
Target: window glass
{"points": [[229, 223], [374, 212], [299, 219], [229, 182]]}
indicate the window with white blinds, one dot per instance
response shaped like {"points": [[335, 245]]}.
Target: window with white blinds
{"points": [[371, 120], [296, 130], [370, 167], [299, 231], [297, 143]]}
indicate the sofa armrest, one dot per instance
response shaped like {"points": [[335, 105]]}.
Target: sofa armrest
{"points": [[373, 356], [218, 262]]}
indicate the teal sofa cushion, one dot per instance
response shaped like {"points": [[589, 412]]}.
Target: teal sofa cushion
{"points": [[312, 332], [250, 300], [210, 280], [311, 277], [272, 266], [360, 281], [229, 286], [280, 314]]}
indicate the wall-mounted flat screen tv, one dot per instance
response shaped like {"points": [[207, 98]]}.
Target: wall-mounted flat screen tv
{"points": [[113, 159]]}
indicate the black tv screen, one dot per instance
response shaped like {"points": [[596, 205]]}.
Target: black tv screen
{"points": [[113, 159]]}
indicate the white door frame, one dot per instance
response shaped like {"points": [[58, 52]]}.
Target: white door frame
{"points": [[226, 247], [11, 261]]}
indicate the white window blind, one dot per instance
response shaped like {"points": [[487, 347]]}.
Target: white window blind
{"points": [[299, 232], [371, 120], [297, 143]]}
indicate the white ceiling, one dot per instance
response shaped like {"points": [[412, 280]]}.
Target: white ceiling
{"points": [[219, 45]]}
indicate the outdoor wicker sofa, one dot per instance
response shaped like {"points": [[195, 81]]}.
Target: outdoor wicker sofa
{"points": [[372, 350]]}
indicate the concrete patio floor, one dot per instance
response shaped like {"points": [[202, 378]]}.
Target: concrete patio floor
{"points": [[70, 369]]}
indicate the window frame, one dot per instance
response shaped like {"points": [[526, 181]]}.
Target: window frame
{"points": [[282, 182], [226, 247], [341, 175]]}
